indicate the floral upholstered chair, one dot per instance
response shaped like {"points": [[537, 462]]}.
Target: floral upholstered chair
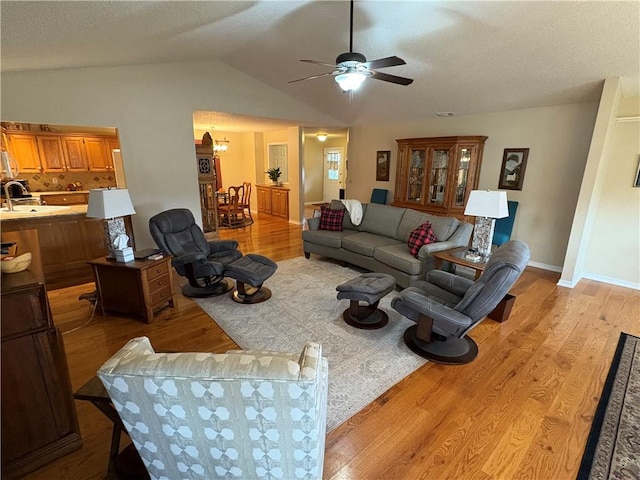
{"points": [[242, 414]]}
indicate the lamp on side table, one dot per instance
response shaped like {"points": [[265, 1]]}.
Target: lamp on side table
{"points": [[486, 206], [110, 204]]}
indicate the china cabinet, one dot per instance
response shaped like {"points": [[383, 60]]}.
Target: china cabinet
{"points": [[207, 183], [436, 174]]}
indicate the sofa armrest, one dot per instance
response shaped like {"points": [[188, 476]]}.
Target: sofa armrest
{"points": [[459, 238], [313, 223]]}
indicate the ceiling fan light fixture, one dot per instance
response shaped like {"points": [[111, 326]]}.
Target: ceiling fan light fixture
{"points": [[321, 137], [350, 81]]}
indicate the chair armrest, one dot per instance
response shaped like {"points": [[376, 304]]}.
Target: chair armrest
{"points": [[216, 246], [448, 281], [435, 310], [182, 260], [313, 223]]}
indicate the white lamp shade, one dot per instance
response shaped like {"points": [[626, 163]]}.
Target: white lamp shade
{"points": [[486, 203], [109, 203]]}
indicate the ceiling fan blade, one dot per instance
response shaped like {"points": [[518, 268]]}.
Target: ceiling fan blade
{"points": [[319, 63], [385, 62], [385, 77], [311, 77]]}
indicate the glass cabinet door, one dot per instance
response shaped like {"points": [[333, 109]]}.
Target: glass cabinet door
{"points": [[438, 179], [462, 181], [415, 181]]}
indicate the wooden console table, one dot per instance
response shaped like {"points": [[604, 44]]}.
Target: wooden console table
{"points": [[137, 288]]}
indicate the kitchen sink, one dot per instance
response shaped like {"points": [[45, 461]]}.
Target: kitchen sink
{"points": [[23, 209]]}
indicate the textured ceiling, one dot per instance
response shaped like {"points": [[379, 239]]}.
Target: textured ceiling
{"points": [[465, 57]]}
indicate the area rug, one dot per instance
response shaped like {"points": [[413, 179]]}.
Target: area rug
{"points": [[363, 364], [613, 446]]}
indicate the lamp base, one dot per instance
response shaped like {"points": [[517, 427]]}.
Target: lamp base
{"points": [[113, 228], [483, 235]]}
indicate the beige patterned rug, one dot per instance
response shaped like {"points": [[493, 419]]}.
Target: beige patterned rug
{"points": [[363, 364]]}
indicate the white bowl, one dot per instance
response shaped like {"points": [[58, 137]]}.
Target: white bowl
{"points": [[15, 264]]}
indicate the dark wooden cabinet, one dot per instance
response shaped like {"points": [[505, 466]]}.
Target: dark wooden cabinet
{"points": [[436, 174], [39, 422]]}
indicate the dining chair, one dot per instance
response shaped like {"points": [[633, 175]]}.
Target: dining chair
{"points": [[246, 199], [232, 213]]}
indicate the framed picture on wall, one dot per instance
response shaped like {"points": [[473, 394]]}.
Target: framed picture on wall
{"points": [[383, 158], [514, 163]]}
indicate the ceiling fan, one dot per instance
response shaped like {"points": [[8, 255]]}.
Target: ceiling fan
{"points": [[352, 68]]}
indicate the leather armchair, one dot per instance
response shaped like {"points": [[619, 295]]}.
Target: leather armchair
{"points": [[242, 414], [201, 261], [446, 306]]}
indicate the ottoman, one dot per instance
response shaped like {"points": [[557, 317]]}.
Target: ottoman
{"points": [[250, 272], [369, 288]]}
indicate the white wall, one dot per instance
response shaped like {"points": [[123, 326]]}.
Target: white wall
{"points": [[152, 107], [558, 139], [613, 253]]}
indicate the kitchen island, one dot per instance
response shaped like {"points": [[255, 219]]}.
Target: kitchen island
{"points": [[68, 240]]}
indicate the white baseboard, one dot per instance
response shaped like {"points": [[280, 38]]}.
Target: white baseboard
{"points": [[546, 266], [612, 281], [567, 284]]}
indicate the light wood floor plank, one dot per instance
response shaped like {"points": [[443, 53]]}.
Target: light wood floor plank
{"points": [[522, 409]]}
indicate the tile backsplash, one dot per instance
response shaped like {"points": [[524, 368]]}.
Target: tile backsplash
{"points": [[43, 182]]}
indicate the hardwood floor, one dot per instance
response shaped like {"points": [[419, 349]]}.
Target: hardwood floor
{"points": [[521, 410]]}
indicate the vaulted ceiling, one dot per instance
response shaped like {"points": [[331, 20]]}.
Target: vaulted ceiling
{"points": [[465, 57]]}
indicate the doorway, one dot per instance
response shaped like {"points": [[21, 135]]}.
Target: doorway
{"points": [[278, 158]]}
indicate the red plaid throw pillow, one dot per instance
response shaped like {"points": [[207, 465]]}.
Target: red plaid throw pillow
{"points": [[331, 219], [420, 236]]}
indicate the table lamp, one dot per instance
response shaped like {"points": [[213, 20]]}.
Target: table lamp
{"points": [[110, 204], [486, 206]]}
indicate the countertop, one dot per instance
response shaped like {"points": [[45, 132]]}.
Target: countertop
{"points": [[57, 192], [64, 211]]}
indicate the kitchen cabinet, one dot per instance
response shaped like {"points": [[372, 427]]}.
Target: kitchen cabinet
{"points": [[435, 175], [98, 154], [67, 242], [76, 158], [273, 200], [51, 154], [66, 198], [39, 422], [24, 149]]}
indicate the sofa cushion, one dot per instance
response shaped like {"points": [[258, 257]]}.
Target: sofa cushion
{"points": [[327, 238], [398, 257], [443, 227], [330, 219], [382, 220], [410, 220], [420, 236], [365, 243]]}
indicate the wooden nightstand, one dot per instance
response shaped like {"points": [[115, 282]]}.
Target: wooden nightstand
{"points": [[136, 288]]}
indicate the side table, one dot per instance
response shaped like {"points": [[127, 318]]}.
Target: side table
{"points": [[457, 257], [136, 288]]}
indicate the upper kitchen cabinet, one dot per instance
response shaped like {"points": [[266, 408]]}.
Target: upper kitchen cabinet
{"points": [[435, 175], [51, 153], [24, 149], [98, 154], [75, 154]]}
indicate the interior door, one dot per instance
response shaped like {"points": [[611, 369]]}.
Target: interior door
{"points": [[278, 158], [333, 173]]}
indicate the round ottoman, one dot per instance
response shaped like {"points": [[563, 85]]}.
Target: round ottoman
{"points": [[369, 288], [250, 272]]}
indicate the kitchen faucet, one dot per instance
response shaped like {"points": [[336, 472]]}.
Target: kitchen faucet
{"points": [[8, 195]]}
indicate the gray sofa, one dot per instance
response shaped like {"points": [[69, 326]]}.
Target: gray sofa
{"points": [[379, 243]]}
